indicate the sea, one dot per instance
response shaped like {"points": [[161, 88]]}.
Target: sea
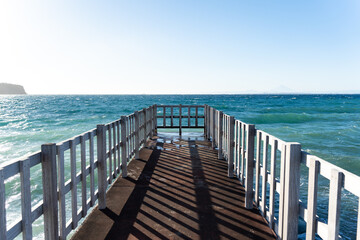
{"points": [[327, 126]]}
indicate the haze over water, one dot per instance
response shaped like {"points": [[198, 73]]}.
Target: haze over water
{"points": [[327, 126]]}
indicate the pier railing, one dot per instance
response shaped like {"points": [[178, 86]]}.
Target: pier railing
{"points": [[268, 167], [69, 168], [180, 116]]}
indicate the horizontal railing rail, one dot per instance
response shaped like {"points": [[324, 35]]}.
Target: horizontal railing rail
{"points": [[268, 166], [69, 168]]}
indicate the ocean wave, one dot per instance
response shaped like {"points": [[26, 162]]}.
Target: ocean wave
{"points": [[282, 118]]}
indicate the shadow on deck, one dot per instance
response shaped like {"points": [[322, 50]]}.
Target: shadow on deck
{"points": [[178, 189]]}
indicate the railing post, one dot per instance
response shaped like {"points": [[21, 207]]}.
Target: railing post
{"points": [[188, 117], [220, 134], [314, 171], [25, 198], [196, 116], [137, 139], [216, 134], [155, 120], [282, 184], [249, 180], [336, 183], [180, 112], [231, 147], [101, 154], [2, 206], [123, 147], [151, 117], [150, 113], [74, 186], [210, 122], [205, 119], [49, 180], [257, 169], [207, 122], [145, 126], [172, 116], [291, 191], [213, 127], [264, 175], [61, 182]]}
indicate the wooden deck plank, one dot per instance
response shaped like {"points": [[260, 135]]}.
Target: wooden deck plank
{"points": [[177, 189]]}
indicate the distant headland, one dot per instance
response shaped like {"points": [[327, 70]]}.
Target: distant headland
{"points": [[7, 88]]}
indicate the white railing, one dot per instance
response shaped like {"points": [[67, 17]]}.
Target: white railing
{"points": [[180, 116], [273, 166], [116, 144]]}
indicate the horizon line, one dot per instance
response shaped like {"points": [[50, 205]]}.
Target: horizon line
{"points": [[264, 93]]}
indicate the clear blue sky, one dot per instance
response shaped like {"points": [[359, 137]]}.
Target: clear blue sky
{"points": [[150, 46]]}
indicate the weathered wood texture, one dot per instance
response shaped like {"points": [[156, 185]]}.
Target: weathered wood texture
{"points": [[250, 129], [291, 191], [48, 163], [25, 198], [176, 192], [312, 199], [101, 148], [61, 181], [336, 183]]}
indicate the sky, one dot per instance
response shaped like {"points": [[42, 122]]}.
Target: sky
{"points": [[177, 47]]}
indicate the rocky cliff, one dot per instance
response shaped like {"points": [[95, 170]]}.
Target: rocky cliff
{"points": [[7, 88]]}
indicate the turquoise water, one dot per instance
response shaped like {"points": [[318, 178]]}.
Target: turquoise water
{"points": [[326, 125]]}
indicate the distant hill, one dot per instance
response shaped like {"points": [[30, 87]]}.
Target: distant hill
{"points": [[7, 88]]}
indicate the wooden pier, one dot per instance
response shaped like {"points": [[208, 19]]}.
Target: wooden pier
{"points": [[177, 189], [237, 182]]}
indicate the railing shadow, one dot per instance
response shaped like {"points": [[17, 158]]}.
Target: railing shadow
{"points": [[172, 199], [207, 220], [123, 223]]}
